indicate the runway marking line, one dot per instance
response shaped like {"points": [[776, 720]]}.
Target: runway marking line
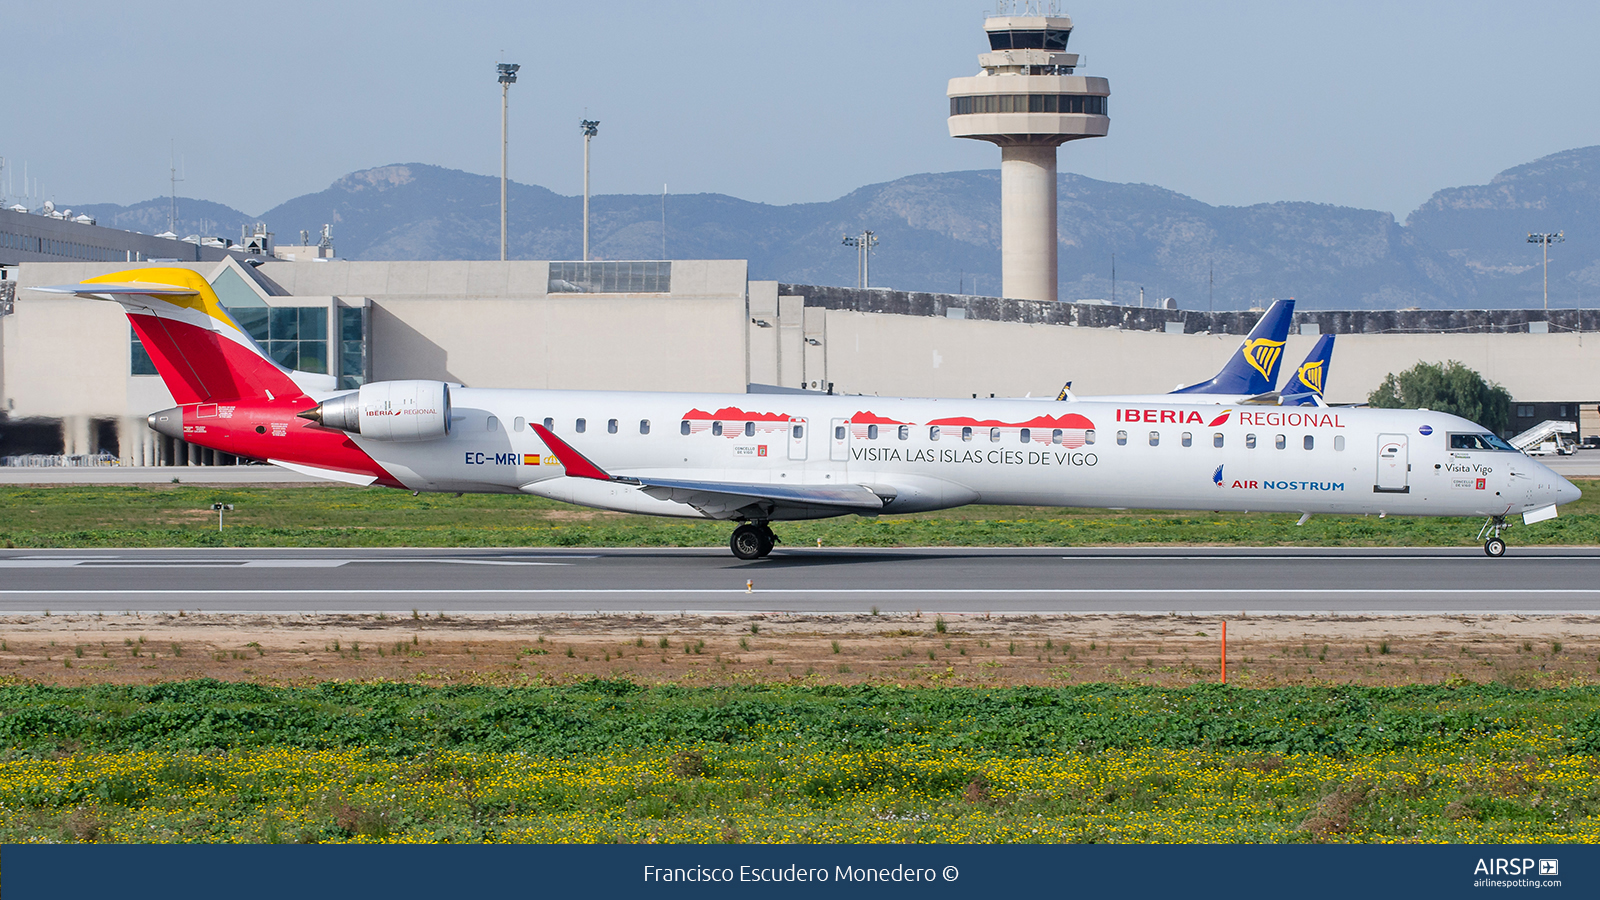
{"points": [[805, 591]]}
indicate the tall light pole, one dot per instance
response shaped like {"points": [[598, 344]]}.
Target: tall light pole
{"points": [[863, 242], [1545, 240], [590, 128], [508, 77]]}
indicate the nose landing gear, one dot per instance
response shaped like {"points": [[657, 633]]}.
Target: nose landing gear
{"points": [[1493, 545], [752, 540]]}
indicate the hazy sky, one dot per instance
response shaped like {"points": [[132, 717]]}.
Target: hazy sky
{"points": [[1370, 104]]}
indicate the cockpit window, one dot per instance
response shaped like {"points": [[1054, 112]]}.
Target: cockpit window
{"points": [[1478, 442]]}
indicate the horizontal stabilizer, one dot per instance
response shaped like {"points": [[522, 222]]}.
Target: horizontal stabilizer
{"points": [[90, 290]]}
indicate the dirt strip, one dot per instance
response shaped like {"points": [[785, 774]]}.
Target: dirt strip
{"points": [[844, 649]]}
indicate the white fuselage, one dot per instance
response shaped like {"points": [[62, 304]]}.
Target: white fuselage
{"points": [[1168, 455]]}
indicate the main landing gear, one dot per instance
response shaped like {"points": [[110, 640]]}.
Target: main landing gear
{"points": [[752, 540], [1491, 529]]}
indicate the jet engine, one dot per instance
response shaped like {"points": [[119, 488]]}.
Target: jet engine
{"points": [[389, 411]]}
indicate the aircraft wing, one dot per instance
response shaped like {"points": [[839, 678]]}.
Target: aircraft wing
{"points": [[718, 496], [845, 496]]}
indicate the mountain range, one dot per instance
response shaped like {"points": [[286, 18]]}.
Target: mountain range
{"points": [[1464, 247]]}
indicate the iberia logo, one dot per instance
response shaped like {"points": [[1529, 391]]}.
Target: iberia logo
{"points": [[1217, 476], [1220, 419], [1262, 354], [1311, 375]]}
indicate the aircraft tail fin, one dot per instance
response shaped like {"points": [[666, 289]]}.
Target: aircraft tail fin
{"points": [[200, 352], [1253, 368], [1305, 385]]}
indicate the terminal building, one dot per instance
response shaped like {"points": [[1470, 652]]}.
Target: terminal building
{"points": [[74, 382], [75, 385]]}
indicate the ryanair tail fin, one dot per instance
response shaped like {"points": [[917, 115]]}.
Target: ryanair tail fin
{"points": [[1305, 385], [1253, 369], [199, 350]]}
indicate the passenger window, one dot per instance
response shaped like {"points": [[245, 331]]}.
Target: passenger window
{"points": [[1122, 438], [994, 435], [1249, 442], [1280, 442], [519, 423], [933, 432], [749, 429], [1026, 435], [872, 432], [611, 426], [1055, 436], [838, 433], [716, 428], [550, 424], [494, 424], [1188, 439], [1338, 442], [797, 431], [905, 432], [1088, 436], [966, 432], [644, 426], [583, 425], [683, 427], [1155, 438], [1216, 439], [1310, 442]]}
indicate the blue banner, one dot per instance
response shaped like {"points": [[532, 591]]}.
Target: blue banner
{"points": [[128, 872]]}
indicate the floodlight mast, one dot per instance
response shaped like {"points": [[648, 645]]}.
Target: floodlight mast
{"points": [[863, 242], [590, 128], [508, 77], [1545, 240]]}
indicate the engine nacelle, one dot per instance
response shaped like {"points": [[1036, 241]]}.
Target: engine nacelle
{"points": [[389, 411]]}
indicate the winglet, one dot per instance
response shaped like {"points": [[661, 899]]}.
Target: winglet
{"points": [[576, 464]]}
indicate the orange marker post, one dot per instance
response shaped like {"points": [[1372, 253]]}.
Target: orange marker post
{"points": [[1224, 652]]}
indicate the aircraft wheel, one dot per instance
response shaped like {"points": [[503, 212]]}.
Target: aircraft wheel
{"points": [[1494, 547], [768, 540], [747, 542]]}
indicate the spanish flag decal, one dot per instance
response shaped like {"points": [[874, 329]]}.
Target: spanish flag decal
{"points": [[530, 459]]}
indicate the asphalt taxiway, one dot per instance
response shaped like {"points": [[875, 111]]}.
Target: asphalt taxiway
{"points": [[1036, 580]]}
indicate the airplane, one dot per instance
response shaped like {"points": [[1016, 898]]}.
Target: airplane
{"points": [[1247, 377], [755, 459], [1304, 387]]}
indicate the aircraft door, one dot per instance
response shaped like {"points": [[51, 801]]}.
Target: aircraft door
{"points": [[839, 440], [1394, 465], [798, 438]]}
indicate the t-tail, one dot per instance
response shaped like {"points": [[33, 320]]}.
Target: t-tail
{"points": [[1253, 369], [200, 352], [231, 395], [1306, 384]]}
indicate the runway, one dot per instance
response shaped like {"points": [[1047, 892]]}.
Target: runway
{"points": [[956, 580]]}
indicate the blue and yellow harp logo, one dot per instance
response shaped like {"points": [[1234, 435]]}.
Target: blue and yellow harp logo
{"points": [[1262, 354]]}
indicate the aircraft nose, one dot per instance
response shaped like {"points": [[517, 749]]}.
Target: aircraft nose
{"points": [[1566, 491]]}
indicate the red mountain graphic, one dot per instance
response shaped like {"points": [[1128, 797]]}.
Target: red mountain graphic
{"points": [[734, 414]]}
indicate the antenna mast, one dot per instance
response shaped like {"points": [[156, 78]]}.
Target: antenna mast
{"points": [[172, 213]]}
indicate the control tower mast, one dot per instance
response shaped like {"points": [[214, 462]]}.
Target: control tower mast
{"points": [[1028, 102]]}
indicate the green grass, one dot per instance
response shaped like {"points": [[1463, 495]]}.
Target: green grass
{"points": [[598, 716], [611, 761], [338, 516]]}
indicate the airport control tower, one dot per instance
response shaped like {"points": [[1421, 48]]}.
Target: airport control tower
{"points": [[1027, 100]]}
